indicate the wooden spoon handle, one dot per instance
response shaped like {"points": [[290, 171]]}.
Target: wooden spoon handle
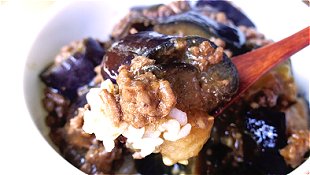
{"points": [[253, 65]]}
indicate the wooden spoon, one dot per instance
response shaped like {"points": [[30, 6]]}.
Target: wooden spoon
{"points": [[253, 65]]}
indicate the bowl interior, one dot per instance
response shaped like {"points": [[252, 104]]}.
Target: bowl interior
{"points": [[72, 22]]}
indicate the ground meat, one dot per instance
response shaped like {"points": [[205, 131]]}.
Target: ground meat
{"points": [[265, 98], [172, 8], [143, 97], [102, 159], [298, 145], [125, 26], [111, 106], [138, 63], [297, 116], [98, 78], [54, 102], [205, 54], [275, 88], [74, 134], [56, 105], [139, 19], [68, 50], [84, 151], [233, 139], [254, 39]]}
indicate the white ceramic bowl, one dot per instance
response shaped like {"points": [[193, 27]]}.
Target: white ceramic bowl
{"points": [[76, 20]]}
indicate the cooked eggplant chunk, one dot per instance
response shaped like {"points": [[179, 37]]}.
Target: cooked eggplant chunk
{"points": [[74, 72], [193, 23], [123, 51], [143, 18], [266, 128], [265, 134], [75, 67], [184, 80], [231, 12], [216, 78]]}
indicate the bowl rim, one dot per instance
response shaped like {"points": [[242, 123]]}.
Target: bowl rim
{"points": [[55, 9]]}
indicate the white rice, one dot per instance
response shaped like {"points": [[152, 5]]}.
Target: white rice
{"points": [[143, 141], [179, 115]]}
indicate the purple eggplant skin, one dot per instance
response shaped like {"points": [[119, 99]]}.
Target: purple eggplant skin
{"points": [[145, 7], [94, 51], [264, 134], [231, 12], [266, 127], [171, 51], [79, 102], [206, 27], [184, 81], [75, 71], [123, 51]]}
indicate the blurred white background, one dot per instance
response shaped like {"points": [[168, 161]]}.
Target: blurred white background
{"points": [[23, 150]]}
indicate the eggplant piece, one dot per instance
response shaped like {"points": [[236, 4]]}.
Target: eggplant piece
{"points": [[217, 83], [137, 19], [192, 87], [184, 80], [264, 135], [143, 18], [123, 51], [75, 71], [134, 20], [153, 164], [231, 12], [94, 51], [193, 23], [79, 102], [146, 8], [270, 162], [266, 127]]}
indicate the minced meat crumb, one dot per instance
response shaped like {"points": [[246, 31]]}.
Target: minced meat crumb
{"points": [[205, 54], [298, 145], [143, 97], [111, 106]]}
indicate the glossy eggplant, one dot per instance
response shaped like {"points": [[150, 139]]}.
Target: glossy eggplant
{"points": [[78, 102], [153, 164], [143, 18], [266, 128], [75, 71], [184, 80], [193, 23], [175, 63], [94, 50], [231, 12], [264, 135], [123, 51]]}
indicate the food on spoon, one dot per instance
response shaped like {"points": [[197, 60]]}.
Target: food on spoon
{"points": [[148, 91], [140, 101], [215, 79]]}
